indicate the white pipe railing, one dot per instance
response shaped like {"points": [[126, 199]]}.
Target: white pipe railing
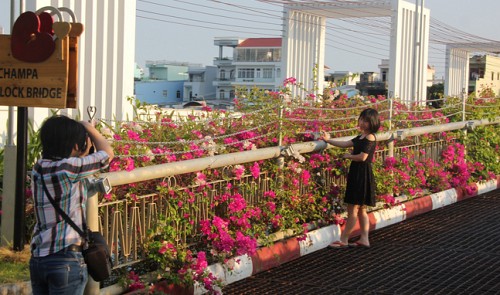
{"points": [[194, 165]]}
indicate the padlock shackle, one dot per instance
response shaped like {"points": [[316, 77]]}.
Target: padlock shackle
{"points": [[53, 11], [70, 12]]}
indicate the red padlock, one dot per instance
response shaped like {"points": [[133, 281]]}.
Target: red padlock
{"points": [[32, 37]]}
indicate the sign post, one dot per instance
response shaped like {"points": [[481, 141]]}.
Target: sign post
{"points": [[38, 68]]}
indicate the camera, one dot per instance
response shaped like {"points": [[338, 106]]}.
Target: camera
{"points": [[97, 185]]}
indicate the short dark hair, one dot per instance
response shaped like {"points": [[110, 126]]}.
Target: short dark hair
{"points": [[371, 116], [58, 136]]}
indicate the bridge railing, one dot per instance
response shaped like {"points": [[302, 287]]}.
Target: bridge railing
{"points": [[125, 223]]}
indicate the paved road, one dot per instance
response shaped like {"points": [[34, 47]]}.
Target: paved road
{"points": [[452, 250]]}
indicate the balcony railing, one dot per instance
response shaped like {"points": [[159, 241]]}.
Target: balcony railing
{"points": [[222, 61]]}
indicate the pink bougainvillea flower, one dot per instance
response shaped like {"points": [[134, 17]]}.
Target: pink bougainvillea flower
{"points": [[255, 170], [129, 164], [305, 177], [390, 162], [237, 204], [290, 80], [238, 171], [132, 135], [201, 179], [270, 194]]}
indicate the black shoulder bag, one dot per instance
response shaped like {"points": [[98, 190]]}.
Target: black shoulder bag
{"points": [[96, 253]]}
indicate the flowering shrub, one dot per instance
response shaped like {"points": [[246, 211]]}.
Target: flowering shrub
{"points": [[133, 282], [412, 176], [178, 263], [305, 190]]}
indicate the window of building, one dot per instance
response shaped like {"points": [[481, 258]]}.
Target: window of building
{"points": [[257, 73], [165, 93], [258, 54], [268, 73], [492, 76], [231, 94], [246, 73], [264, 55], [222, 74], [231, 74], [178, 94], [222, 94]]}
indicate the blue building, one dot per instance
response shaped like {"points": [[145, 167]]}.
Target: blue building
{"points": [[160, 92], [164, 84]]}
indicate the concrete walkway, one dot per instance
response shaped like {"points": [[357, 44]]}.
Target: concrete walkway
{"points": [[450, 250]]}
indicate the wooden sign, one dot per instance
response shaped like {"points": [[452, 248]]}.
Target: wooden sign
{"points": [[50, 83]]}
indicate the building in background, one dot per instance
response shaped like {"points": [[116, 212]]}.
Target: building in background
{"points": [[342, 78], [431, 76], [484, 72], [253, 62], [383, 81], [164, 84], [138, 73], [199, 85], [370, 83]]}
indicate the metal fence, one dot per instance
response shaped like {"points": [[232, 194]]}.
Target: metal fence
{"points": [[125, 223]]}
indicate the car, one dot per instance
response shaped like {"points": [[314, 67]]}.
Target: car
{"points": [[348, 90]]}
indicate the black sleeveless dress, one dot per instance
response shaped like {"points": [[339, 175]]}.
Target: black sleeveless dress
{"points": [[360, 188]]}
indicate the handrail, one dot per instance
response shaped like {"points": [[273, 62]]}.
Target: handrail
{"points": [[124, 240], [188, 166]]}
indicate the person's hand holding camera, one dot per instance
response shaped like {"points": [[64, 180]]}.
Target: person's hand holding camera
{"points": [[100, 142]]}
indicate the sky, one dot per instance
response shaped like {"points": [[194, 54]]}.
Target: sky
{"points": [[184, 30]]}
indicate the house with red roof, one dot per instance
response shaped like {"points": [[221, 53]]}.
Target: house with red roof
{"points": [[252, 62]]}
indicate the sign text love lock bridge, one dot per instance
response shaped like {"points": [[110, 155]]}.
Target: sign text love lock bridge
{"points": [[39, 60]]}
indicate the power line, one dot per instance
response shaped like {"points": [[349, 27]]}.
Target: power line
{"points": [[364, 28], [209, 22], [204, 27], [207, 13]]}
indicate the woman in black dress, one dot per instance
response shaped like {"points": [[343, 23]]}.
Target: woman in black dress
{"points": [[360, 189]]}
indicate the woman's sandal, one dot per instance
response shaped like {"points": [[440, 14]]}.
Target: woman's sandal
{"points": [[358, 245], [338, 245]]}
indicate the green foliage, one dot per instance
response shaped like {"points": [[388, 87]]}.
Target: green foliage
{"points": [[486, 91], [479, 108], [2, 151], [434, 94], [483, 149], [12, 272], [34, 146], [14, 265]]}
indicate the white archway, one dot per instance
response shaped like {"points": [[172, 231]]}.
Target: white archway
{"points": [[304, 41]]}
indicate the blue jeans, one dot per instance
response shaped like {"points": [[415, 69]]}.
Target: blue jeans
{"points": [[64, 272]]}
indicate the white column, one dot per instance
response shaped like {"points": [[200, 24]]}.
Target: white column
{"points": [[303, 47], [405, 81], [321, 53], [456, 71]]}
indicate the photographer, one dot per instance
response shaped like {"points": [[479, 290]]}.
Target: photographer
{"points": [[57, 265]]}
